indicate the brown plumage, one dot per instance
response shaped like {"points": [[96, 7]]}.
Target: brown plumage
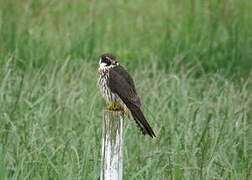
{"points": [[122, 84], [122, 90]]}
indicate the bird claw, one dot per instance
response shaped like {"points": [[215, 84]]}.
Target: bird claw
{"points": [[113, 106]]}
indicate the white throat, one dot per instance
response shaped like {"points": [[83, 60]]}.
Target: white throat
{"points": [[103, 66]]}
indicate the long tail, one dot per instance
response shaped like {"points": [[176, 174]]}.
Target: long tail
{"points": [[140, 120]]}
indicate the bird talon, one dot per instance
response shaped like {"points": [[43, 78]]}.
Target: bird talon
{"points": [[113, 106]]}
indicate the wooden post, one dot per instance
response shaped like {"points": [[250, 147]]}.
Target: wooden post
{"points": [[112, 145]]}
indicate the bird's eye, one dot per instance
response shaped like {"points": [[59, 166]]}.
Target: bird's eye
{"points": [[108, 63]]}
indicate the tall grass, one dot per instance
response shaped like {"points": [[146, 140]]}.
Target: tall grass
{"points": [[215, 33], [51, 125], [181, 54]]}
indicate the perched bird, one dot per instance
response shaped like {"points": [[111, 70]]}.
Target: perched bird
{"points": [[118, 89]]}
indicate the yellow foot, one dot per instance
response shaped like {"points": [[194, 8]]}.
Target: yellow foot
{"points": [[114, 106]]}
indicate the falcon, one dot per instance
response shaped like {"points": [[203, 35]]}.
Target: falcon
{"points": [[118, 89]]}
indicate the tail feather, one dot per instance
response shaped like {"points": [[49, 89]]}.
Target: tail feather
{"points": [[140, 120]]}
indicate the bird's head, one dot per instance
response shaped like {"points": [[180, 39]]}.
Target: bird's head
{"points": [[107, 61]]}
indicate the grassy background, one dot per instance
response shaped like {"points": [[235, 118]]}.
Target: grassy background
{"points": [[216, 34], [191, 61]]}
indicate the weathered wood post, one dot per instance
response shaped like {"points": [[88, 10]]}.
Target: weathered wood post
{"points": [[112, 146]]}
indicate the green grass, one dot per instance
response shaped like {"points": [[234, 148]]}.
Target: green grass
{"points": [[216, 34], [191, 61], [51, 125]]}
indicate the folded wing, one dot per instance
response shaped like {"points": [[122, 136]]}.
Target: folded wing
{"points": [[121, 83]]}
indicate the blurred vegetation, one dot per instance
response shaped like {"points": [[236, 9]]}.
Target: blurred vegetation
{"points": [[215, 34]]}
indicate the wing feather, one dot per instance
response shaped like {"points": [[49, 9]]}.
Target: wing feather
{"points": [[121, 83]]}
